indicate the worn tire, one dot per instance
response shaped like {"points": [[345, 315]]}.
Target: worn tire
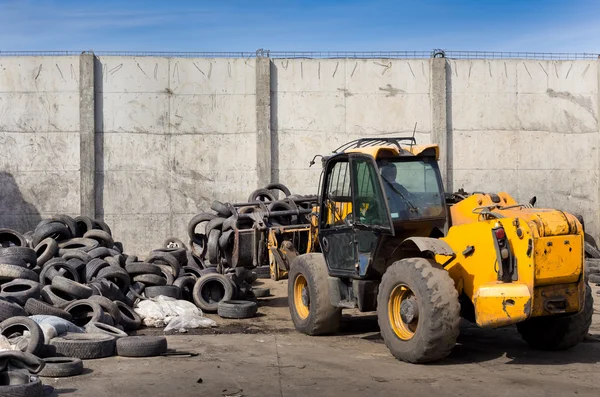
{"points": [[109, 307], [559, 332], [19, 291], [100, 328], [60, 367], [186, 284], [102, 237], [194, 222], [72, 288], [137, 268], [25, 255], [321, 318], [85, 311], [237, 309], [261, 292], [165, 258], [174, 242], [167, 274], [10, 272], [261, 195], [83, 224], [99, 252], [591, 251], [213, 246], [36, 307], [56, 230], [150, 280], [9, 236], [117, 275], [263, 272], [141, 346], [10, 309], [190, 271], [17, 383], [130, 320], [210, 290], [594, 278], [439, 310], [93, 267], [171, 291], [83, 346], [46, 250], [20, 324], [77, 244], [55, 297]]}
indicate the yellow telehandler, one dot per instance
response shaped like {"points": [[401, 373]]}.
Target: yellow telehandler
{"points": [[387, 241]]}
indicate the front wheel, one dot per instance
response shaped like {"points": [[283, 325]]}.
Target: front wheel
{"points": [[308, 296], [559, 332], [418, 310]]}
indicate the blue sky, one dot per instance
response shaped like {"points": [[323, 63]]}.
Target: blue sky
{"points": [[136, 25]]}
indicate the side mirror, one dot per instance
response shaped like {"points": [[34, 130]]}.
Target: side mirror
{"points": [[532, 201]]}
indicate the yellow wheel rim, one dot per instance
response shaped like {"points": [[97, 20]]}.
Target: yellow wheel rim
{"points": [[402, 330], [300, 286]]}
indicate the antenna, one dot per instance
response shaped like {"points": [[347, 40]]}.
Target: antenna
{"points": [[413, 140]]}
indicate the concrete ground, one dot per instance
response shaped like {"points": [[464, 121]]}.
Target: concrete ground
{"points": [[264, 356]]}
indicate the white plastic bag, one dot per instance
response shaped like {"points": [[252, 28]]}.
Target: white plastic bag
{"points": [[172, 313], [53, 326], [5, 344]]}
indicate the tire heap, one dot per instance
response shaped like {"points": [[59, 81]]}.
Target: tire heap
{"points": [[592, 259], [72, 268], [211, 233]]}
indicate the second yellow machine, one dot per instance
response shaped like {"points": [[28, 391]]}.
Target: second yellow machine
{"points": [[387, 241]]}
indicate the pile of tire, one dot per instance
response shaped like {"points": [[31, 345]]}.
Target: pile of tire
{"points": [[211, 233], [72, 269], [592, 259]]}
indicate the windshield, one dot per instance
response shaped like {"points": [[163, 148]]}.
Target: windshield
{"points": [[412, 188]]}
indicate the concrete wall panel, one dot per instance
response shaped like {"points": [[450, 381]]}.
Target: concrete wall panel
{"points": [[121, 74], [134, 112], [134, 192], [42, 151], [213, 76], [39, 74], [39, 112]]}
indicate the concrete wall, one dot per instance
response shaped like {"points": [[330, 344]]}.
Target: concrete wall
{"points": [[154, 140]]}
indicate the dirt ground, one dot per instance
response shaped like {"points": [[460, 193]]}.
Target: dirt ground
{"points": [[265, 356]]}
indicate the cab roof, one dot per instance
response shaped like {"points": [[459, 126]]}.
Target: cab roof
{"points": [[389, 147]]}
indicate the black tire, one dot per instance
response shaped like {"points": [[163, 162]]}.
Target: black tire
{"points": [[46, 250], [58, 268], [171, 291], [85, 311], [261, 195], [100, 328], [165, 258], [191, 271], [210, 290], [436, 299], [56, 230], [174, 242], [215, 224], [193, 261], [322, 317], [93, 267], [559, 332], [279, 186], [282, 205], [36, 307], [186, 284], [77, 244], [10, 272], [131, 259], [19, 291], [101, 225], [71, 288], [10, 309], [77, 265], [166, 273], [224, 240], [102, 237], [150, 280], [25, 254], [8, 237], [117, 275], [130, 320], [19, 325], [194, 222], [141, 346], [220, 208], [263, 272], [56, 297], [261, 292], [77, 254], [99, 253], [237, 309], [108, 306], [138, 268], [207, 271], [591, 251], [60, 367], [213, 246], [83, 346], [229, 223], [83, 225], [20, 384]]}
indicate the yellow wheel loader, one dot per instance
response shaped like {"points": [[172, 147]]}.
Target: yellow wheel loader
{"points": [[387, 241]]}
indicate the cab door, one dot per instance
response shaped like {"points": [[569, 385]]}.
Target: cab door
{"points": [[354, 213]]}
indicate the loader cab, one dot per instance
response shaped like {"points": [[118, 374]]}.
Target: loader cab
{"points": [[371, 200]]}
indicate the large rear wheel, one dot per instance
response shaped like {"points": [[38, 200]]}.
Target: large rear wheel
{"points": [[418, 310], [559, 332], [308, 296]]}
